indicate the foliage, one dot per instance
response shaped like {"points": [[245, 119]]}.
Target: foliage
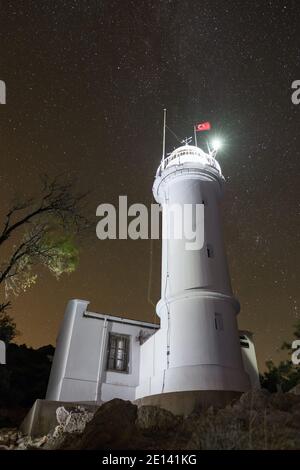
{"points": [[41, 231], [64, 253], [8, 328], [284, 376], [25, 376]]}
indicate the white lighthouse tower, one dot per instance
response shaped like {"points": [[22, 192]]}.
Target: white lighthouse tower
{"points": [[196, 354]]}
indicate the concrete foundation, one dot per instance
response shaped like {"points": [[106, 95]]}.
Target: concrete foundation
{"points": [[41, 419], [185, 403]]}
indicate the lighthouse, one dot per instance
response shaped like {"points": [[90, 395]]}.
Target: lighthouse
{"points": [[196, 355]]}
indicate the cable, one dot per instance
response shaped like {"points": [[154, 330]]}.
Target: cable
{"points": [[150, 275], [165, 298], [180, 141]]}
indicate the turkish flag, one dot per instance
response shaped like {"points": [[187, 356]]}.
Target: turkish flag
{"points": [[203, 126]]}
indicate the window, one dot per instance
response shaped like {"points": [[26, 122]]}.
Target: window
{"points": [[244, 344], [118, 353], [219, 322], [210, 251]]}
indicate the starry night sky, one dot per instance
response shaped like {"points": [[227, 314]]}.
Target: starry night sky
{"points": [[86, 85]]}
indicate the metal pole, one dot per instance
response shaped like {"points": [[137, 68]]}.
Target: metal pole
{"points": [[164, 135], [195, 136]]}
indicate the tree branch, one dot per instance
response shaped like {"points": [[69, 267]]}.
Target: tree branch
{"points": [[57, 200]]}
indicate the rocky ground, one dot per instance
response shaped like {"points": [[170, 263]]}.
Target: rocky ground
{"points": [[258, 420]]}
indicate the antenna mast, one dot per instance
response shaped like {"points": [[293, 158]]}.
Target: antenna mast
{"points": [[195, 136], [164, 135]]}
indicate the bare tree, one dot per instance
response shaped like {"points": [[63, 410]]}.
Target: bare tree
{"points": [[42, 231]]}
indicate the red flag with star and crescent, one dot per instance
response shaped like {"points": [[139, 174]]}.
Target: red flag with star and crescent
{"points": [[203, 126]]}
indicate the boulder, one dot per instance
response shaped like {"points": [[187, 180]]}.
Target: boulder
{"points": [[257, 399], [285, 401], [295, 390], [295, 421], [152, 418], [112, 427], [8, 437], [258, 420], [72, 421]]}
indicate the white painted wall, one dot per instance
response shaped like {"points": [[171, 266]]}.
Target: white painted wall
{"points": [[2, 352], [249, 358], [194, 355], [79, 367], [79, 370]]}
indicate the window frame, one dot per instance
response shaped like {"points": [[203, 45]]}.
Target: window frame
{"points": [[114, 357]]}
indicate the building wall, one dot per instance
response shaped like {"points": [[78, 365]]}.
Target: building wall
{"points": [[79, 371], [196, 289], [190, 269], [249, 357], [152, 366], [2, 352]]}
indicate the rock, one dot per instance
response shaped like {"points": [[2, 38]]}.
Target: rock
{"points": [[295, 390], [284, 401], [295, 421], [278, 418], [40, 442], [112, 427], [152, 418], [23, 443], [257, 399], [71, 421], [8, 436], [258, 420], [61, 415], [219, 431]]}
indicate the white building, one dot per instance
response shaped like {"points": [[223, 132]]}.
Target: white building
{"points": [[196, 355], [97, 356], [2, 353]]}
